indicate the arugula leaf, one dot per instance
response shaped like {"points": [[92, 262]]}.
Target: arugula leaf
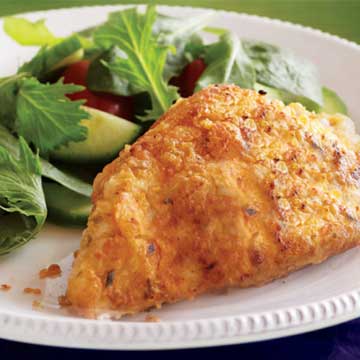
{"points": [[170, 31], [280, 69], [101, 78], [30, 33], [227, 63], [22, 199], [181, 33], [48, 170], [46, 117], [143, 59], [49, 59]]}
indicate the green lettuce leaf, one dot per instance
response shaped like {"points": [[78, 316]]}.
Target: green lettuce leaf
{"points": [[142, 60], [227, 63], [29, 33], [46, 118], [22, 202]]}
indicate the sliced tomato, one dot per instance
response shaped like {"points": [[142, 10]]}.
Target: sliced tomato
{"points": [[188, 78], [122, 106], [76, 73]]}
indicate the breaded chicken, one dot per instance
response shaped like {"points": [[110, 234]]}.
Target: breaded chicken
{"points": [[227, 189]]}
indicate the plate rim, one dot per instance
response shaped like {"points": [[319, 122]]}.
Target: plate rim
{"points": [[226, 330], [294, 320]]}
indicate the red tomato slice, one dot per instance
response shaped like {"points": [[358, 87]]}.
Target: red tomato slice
{"points": [[122, 106], [188, 78], [76, 73]]}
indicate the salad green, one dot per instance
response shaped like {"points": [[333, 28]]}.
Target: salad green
{"points": [[228, 63], [296, 78], [127, 72], [101, 78], [29, 33], [48, 170], [22, 203], [44, 117], [40, 112], [183, 36], [142, 58]]}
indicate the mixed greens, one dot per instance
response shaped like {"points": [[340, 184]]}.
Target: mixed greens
{"points": [[82, 98]]}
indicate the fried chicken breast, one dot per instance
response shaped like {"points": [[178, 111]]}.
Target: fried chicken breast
{"points": [[227, 189]]}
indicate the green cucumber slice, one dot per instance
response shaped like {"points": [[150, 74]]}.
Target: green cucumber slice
{"points": [[333, 103], [70, 59], [65, 207], [107, 135]]}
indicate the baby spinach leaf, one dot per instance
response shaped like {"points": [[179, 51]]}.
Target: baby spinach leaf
{"points": [[227, 63], [182, 34], [280, 69]]}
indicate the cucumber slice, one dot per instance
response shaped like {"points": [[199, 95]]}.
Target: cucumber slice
{"points": [[68, 60], [333, 103], [107, 135], [66, 207]]}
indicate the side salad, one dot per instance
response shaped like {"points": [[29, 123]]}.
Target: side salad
{"points": [[82, 98]]}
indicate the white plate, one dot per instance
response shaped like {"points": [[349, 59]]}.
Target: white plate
{"points": [[315, 297]]}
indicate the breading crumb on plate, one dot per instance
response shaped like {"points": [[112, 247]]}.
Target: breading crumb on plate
{"points": [[36, 305], [32, 291], [5, 287], [54, 270]]}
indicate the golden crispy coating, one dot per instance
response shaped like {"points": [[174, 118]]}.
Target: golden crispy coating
{"points": [[226, 189]]}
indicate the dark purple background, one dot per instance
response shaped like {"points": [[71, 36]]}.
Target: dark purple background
{"points": [[340, 342]]}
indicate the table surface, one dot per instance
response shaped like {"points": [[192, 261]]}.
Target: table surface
{"points": [[340, 17]]}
